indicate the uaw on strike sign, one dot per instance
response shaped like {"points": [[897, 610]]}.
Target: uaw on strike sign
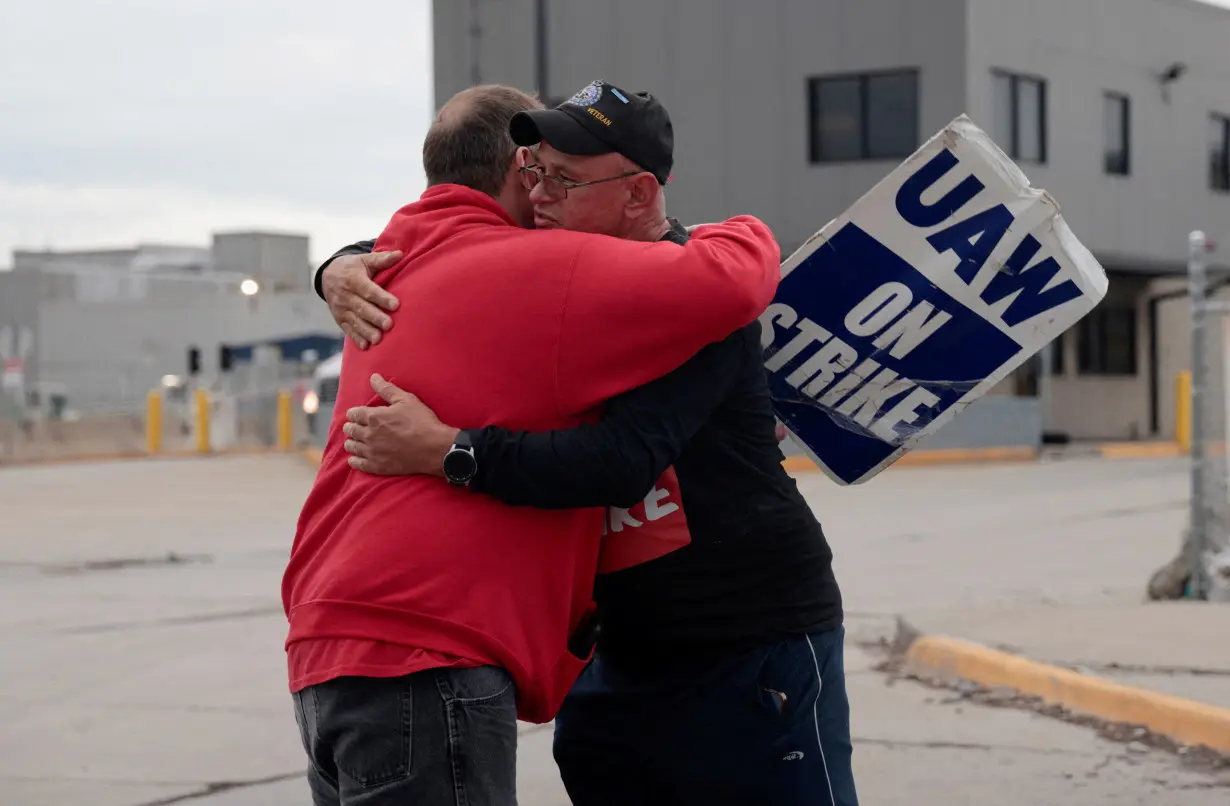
{"points": [[941, 280]]}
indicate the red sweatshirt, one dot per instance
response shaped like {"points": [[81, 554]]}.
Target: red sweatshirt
{"points": [[521, 328]]}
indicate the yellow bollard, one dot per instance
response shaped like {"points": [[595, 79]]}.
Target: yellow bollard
{"points": [[202, 421], [153, 422], [285, 422], [1183, 411]]}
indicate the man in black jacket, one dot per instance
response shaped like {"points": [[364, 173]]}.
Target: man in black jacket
{"points": [[718, 674]]}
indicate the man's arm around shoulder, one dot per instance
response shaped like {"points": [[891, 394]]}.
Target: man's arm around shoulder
{"points": [[635, 311], [356, 248], [359, 305]]}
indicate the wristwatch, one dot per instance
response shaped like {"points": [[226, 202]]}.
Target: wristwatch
{"points": [[460, 466]]}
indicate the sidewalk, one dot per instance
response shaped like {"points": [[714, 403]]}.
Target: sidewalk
{"points": [[1165, 665]]}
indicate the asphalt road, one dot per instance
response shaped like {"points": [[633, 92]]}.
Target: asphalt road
{"points": [[142, 634]]}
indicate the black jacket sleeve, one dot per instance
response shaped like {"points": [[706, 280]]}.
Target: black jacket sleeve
{"points": [[357, 248], [616, 461]]}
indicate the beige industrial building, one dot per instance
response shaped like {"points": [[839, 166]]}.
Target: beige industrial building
{"points": [[791, 109]]}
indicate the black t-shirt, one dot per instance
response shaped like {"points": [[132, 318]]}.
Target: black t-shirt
{"points": [[758, 568]]}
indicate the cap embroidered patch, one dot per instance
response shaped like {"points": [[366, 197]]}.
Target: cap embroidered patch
{"points": [[587, 96]]}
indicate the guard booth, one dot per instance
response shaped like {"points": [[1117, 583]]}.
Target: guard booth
{"points": [[253, 377], [320, 400]]}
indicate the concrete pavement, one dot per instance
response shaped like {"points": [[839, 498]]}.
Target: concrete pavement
{"points": [[915, 746], [142, 631]]}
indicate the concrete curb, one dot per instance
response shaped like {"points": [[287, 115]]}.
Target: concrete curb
{"points": [[1140, 450], [1186, 721], [946, 456]]}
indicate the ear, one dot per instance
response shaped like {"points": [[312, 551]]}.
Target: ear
{"points": [[525, 157], [642, 193]]}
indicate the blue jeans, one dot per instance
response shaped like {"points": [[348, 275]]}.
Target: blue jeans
{"points": [[766, 726], [442, 737]]}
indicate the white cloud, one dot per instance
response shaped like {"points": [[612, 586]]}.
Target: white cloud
{"points": [[148, 120]]}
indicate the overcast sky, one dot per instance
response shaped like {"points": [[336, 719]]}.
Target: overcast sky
{"points": [[161, 121]]}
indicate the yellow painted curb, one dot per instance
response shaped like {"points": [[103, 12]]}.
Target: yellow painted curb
{"points": [[959, 455], [1186, 721], [1140, 450], [799, 464], [313, 455], [946, 456]]}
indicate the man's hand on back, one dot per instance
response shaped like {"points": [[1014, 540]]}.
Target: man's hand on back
{"points": [[404, 438], [357, 304]]}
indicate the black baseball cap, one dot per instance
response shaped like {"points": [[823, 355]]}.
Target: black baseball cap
{"points": [[603, 119]]}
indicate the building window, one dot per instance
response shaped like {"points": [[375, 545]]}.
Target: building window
{"points": [[1106, 343], [870, 116], [1219, 153], [1116, 128], [1019, 117]]}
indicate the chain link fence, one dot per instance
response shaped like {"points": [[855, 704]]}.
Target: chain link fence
{"points": [[40, 425], [107, 412]]}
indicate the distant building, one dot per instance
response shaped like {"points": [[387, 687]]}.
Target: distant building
{"points": [[792, 109], [276, 262], [105, 326]]}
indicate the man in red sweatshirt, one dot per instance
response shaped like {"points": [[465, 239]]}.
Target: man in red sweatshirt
{"points": [[424, 620]]}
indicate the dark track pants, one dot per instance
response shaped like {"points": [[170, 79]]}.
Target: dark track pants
{"points": [[768, 726]]}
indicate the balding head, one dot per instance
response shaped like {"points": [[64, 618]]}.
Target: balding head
{"points": [[469, 144]]}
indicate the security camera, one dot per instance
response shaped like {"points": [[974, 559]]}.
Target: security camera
{"points": [[1173, 73]]}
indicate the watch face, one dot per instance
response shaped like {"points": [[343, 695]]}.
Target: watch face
{"points": [[460, 466]]}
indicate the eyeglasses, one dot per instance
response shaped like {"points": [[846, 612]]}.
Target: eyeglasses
{"points": [[557, 188]]}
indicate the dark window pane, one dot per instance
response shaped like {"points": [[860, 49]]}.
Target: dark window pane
{"points": [[1219, 152], [838, 107], [1107, 342], [1087, 343], [892, 115], [1030, 137], [1120, 342], [1001, 113], [1115, 133]]}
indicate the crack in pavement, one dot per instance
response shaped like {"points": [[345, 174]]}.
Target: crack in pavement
{"points": [[1140, 668], [174, 621], [88, 779], [1137, 738], [171, 558], [943, 745], [218, 787], [1120, 512]]}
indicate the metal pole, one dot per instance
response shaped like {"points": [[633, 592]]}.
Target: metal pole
{"points": [[1045, 368], [476, 35], [540, 51], [1197, 533]]}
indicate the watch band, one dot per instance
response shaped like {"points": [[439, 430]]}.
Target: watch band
{"points": [[461, 453]]}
